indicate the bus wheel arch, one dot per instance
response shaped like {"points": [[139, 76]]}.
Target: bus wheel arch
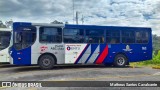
{"points": [[120, 60], [50, 60]]}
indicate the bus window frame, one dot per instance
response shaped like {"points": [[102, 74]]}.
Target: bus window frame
{"points": [[104, 36], [149, 36], [31, 27], [113, 43], [75, 29], [51, 42], [134, 37], [9, 39]]}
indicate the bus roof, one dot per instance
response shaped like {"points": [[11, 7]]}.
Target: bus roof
{"points": [[85, 26], [5, 29], [48, 24], [103, 27]]}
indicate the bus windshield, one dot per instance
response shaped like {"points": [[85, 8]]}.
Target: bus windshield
{"points": [[24, 38], [4, 39]]}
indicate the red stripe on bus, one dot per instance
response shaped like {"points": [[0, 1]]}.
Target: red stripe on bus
{"points": [[102, 56]]}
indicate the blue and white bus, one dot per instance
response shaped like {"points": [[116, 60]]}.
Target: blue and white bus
{"points": [[5, 35], [51, 44]]}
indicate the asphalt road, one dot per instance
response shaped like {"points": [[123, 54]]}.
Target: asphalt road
{"points": [[78, 73]]}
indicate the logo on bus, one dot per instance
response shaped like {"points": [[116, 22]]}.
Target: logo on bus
{"points": [[68, 48], [43, 48], [144, 48], [73, 48], [127, 48]]}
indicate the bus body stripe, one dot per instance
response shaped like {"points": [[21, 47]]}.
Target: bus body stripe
{"points": [[93, 51], [80, 56], [86, 55], [95, 55], [102, 56]]}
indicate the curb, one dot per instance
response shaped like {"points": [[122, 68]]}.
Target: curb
{"points": [[156, 67], [135, 66]]}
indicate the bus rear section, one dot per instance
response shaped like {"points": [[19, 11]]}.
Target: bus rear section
{"points": [[5, 35], [50, 44]]}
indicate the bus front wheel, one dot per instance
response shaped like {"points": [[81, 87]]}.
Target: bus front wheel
{"points": [[46, 62], [120, 60]]}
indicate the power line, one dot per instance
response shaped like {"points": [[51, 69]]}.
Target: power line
{"points": [[73, 10]]}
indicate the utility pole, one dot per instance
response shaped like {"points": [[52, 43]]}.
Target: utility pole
{"points": [[76, 17], [82, 19], [73, 10]]}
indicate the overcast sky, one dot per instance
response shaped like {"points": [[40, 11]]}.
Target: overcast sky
{"points": [[144, 13]]}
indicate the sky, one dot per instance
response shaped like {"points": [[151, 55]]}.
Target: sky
{"points": [[134, 13]]}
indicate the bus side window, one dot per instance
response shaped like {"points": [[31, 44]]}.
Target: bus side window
{"points": [[50, 35], [91, 40], [94, 36], [113, 36], [142, 37], [138, 37], [113, 41], [128, 36], [73, 36]]}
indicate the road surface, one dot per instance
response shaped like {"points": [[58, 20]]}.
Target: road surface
{"points": [[78, 73]]}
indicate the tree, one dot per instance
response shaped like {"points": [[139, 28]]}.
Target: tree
{"points": [[156, 43], [56, 22], [9, 23], [66, 22], [2, 25]]}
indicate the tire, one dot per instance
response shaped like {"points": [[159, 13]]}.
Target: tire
{"points": [[120, 60], [46, 62]]}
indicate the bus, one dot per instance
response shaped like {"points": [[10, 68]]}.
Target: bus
{"points": [[5, 35], [48, 45]]}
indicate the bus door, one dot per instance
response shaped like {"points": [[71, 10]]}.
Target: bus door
{"points": [[24, 37]]}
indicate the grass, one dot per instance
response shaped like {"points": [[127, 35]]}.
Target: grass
{"points": [[156, 67], [154, 63]]}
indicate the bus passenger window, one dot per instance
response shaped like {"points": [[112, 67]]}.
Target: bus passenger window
{"points": [[113, 41], [91, 40], [50, 35], [128, 36], [94, 36], [142, 37], [113, 36], [73, 36]]}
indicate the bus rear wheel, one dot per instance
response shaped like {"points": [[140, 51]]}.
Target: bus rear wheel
{"points": [[120, 60], [46, 62]]}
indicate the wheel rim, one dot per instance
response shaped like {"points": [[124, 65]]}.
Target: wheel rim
{"points": [[46, 62], [120, 61]]}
